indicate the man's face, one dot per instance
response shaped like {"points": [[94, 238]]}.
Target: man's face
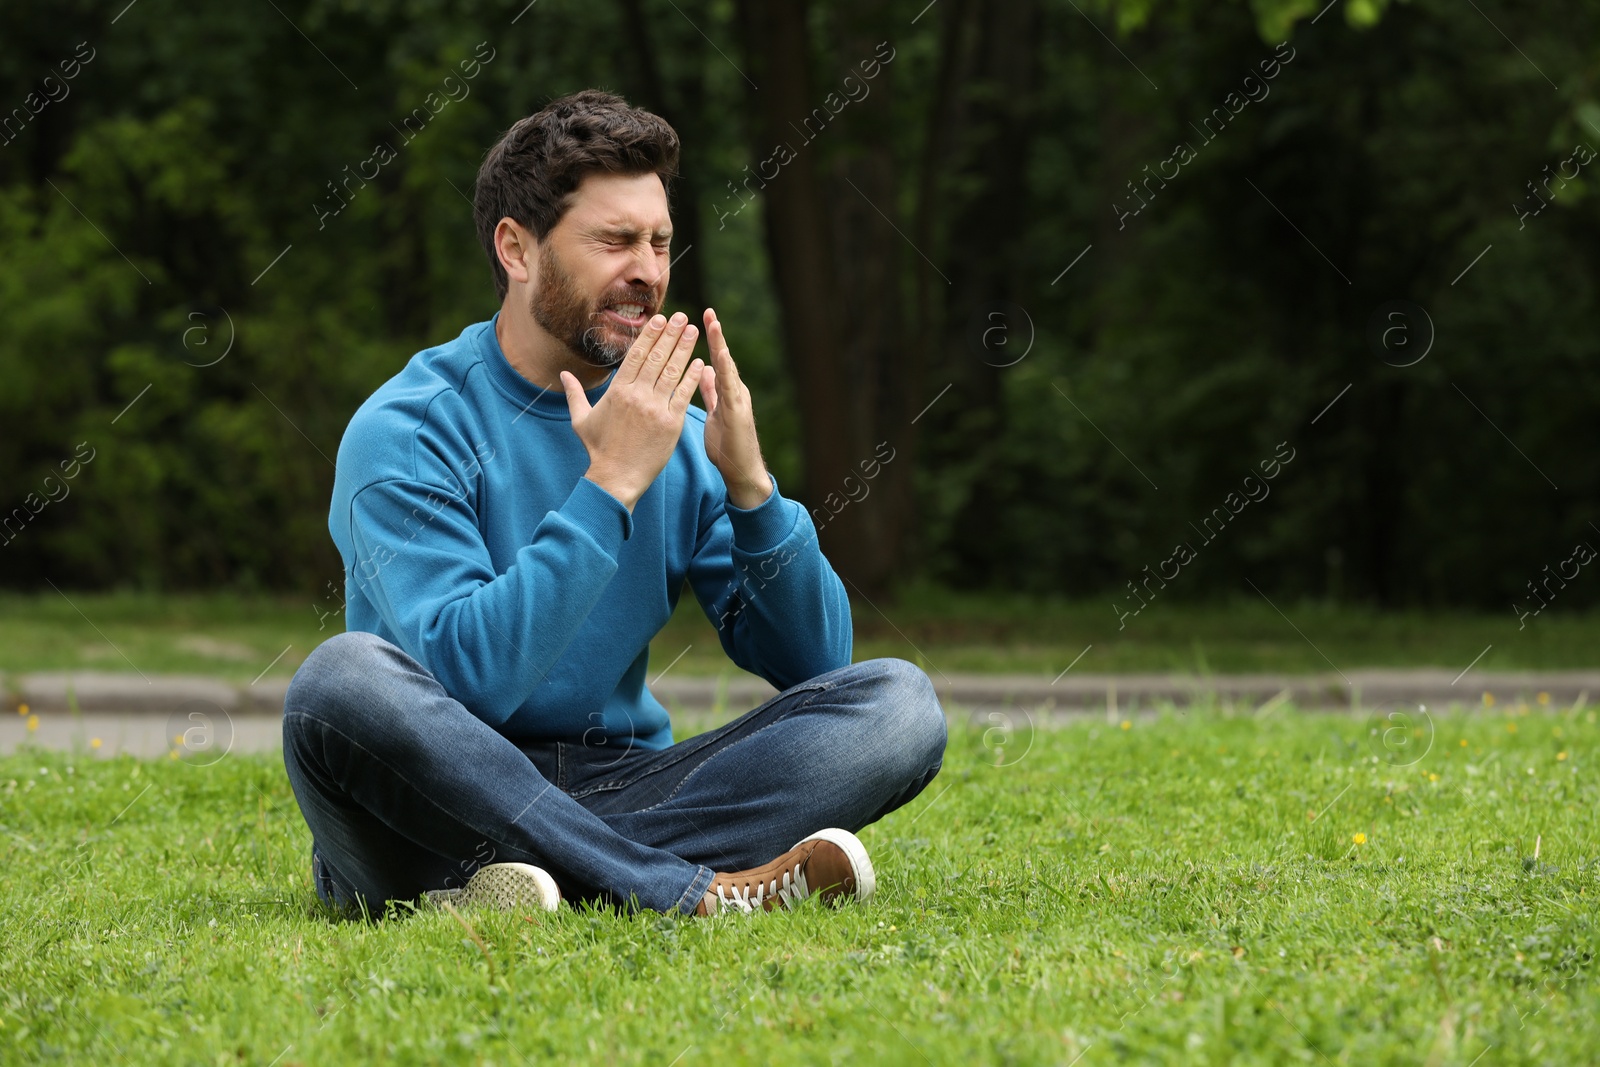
{"points": [[603, 268]]}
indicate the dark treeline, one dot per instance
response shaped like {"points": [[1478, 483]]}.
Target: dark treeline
{"points": [[1086, 310]]}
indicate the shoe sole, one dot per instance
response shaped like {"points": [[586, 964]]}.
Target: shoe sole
{"points": [[860, 863], [510, 887]]}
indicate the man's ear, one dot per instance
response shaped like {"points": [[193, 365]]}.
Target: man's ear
{"points": [[518, 250]]}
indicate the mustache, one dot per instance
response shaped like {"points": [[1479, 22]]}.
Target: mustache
{"points": [[645, 297]]}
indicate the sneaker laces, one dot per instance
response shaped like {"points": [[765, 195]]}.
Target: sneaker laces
{"points": [[789, 891]]}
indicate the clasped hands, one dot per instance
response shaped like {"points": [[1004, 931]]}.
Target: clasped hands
{"points": [[631, 432]]}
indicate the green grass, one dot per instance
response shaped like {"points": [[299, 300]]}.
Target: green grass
{"points": [[236, 638], [1186, 890], [225, 636]]}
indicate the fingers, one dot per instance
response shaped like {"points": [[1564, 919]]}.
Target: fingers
{"points": [[721, 358], [655, 360], [642, 347], [708, 389], [685, 390], [577, 403], [676, 358]]}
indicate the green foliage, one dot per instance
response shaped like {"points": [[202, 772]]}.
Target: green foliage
{"points": [[1229, 312], [1188, 889], [174, 208], [165, 250]]}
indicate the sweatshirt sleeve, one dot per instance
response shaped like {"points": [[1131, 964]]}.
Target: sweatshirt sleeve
{"points": [[488, 638], [780, 610]]}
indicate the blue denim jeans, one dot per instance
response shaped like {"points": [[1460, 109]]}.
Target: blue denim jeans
{"points": [[405, 790]]}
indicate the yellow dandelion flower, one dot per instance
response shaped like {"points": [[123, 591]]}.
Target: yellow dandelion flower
{"points": [[1511, 727], [1463, 742], [1544, 698], [1560, 756], [173, 754], [1126, 725], [22, 709], [1360, 839], [94, 742], [1432, 777], [33, 722], [1488, 700]]}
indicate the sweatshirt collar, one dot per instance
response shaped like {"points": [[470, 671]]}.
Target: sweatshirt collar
{"points": [[527, 397]]}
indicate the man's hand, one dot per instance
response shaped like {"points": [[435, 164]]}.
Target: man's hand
{"points": [[631, 432], [731, 424]]}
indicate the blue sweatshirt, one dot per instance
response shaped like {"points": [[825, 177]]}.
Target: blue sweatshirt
{"points": [[472, 540]]}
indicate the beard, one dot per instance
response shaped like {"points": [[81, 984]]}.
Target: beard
{"points": [[578, 322]]}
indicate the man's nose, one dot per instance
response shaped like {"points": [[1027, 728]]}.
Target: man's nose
{"points": [[643, 269]]}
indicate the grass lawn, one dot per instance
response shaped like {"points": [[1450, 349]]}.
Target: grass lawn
{"points": [[1187, 888], [238, 638]]}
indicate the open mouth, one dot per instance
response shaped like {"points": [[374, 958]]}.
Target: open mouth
{"points": [[632, 316]]}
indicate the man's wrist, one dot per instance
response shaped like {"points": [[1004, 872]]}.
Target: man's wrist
{"points": [[747, 497], [613, 486]]}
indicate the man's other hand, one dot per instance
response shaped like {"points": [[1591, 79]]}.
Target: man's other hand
{"points": [[731, 423]]}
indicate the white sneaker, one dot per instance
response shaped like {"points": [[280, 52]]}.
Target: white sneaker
{"points": [[503, 887]]}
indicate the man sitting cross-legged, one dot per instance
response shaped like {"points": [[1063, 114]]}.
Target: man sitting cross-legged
{"points": [[517, 511]]}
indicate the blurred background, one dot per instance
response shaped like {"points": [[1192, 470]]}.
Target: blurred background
{"points": [[1029, 295]]}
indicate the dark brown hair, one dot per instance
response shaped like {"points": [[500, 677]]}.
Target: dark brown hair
{"points": [[532, 173]]}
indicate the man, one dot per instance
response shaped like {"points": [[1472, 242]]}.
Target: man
{"points": [[517, 511]]}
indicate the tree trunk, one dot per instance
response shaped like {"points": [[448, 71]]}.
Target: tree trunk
{"points": [[836, 263], [983, 131]]}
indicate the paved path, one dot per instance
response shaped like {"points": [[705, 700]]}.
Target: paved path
{"points": [[201, 716]]}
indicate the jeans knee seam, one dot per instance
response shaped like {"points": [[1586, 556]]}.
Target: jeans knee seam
{"points": [[748, 737], [624, 783]]}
